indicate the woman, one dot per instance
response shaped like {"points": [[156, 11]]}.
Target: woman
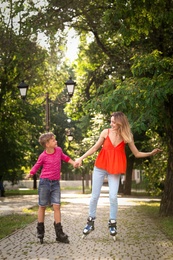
{"points": [[110, 162]]}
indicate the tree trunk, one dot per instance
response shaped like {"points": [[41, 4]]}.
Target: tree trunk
{"points": [[34, 181], [166, 206], [128, 182]]}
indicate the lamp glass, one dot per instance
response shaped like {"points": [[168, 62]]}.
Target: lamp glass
{"points": [[70, 88], [70, 138], [23, 92], [23, 87], [70, 85]]}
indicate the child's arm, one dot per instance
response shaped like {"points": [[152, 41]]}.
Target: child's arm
{"points": [[73, 163], [35, 168]]}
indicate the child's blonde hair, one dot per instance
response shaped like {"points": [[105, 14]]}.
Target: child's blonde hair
{"points": [[124, 129], [44, 138]]}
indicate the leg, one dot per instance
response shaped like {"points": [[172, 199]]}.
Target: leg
{"points": [[40, 231], [60, 235], [55, 200], [43, 192], [41, 213], [40, 224], [113, 180], [97, 182], [57, 213]]}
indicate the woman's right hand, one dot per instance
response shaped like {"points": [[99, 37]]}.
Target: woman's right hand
{"points": [[78, 162]]}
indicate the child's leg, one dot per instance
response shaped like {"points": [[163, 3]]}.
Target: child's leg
{"points": [[60, 235], [43, 192], [40, 224], [56, 200], [57, 213], [41, 214]]}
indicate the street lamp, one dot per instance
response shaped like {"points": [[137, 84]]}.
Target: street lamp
{"points": [[69, 134], [70, 85], [23, 87], [70, 137]]}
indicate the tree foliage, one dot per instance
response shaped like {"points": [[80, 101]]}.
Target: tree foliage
{"points": [[22, 58], [124, 63]]}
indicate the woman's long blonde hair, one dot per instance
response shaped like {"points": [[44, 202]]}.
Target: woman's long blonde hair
{"points": [[124, 129]]}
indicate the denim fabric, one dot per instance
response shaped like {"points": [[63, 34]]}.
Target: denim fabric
{"points": [[97, 182], [49, 192]]}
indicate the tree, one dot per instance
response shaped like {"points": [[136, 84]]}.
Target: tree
{"points": [[126, 65], [148, 80], [22, 58]]}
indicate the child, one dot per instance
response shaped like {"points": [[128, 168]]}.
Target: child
{"points": [[110, 162], [49, 185]]}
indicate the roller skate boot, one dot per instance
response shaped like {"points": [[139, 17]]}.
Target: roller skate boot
{"points": [[112, 225], [89, 227], [40, 231], [60, 235]]}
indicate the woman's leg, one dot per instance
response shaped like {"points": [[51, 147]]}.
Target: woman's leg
{"points": [[97, 182], [113, 180]]}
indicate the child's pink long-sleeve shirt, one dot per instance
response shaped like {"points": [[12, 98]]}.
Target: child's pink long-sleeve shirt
{"points": [[50, 163]]}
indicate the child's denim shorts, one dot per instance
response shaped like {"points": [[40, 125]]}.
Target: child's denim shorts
{"points": [[49, 192]]}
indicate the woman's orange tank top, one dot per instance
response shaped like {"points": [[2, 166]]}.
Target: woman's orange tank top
{"points": [[112, 158]]}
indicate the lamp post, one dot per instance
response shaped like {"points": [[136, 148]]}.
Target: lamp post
{"points": [[47, 113], [70, 85]]}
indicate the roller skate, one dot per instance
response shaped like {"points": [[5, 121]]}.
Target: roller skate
{"points": [[60, 235], [89, 227], [40, 231], [112, 225]]}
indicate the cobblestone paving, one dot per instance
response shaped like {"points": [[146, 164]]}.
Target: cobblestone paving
{"points": [[138, 237]]}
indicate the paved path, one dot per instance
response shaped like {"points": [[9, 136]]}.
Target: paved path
{"points": [[138, 236]]}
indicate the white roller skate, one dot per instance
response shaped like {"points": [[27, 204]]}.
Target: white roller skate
{"points": [[112, 225], [89, 227]]}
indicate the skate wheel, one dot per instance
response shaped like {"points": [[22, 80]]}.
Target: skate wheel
{"points": [[41, 240], [83, 236], [114, 238]]}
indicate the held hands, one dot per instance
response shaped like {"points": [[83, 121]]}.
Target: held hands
{"points": [[155, 151], [77, 163]]}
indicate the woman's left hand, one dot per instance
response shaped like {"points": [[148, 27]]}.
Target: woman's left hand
{"points": [[155, 151]]}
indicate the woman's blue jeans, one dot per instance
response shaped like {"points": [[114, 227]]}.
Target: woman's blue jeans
{"points": [[97, 182]]}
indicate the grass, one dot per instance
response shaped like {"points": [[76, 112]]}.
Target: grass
{"points": [[35, 192], [151, 209], [13, 222], [20, 192]]}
